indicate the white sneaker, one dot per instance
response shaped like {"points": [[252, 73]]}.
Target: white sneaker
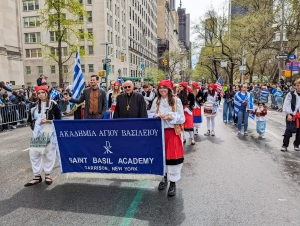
{"points": [[263, 136], [239, 132], [14, 127], [212, 133], [245, 133]]}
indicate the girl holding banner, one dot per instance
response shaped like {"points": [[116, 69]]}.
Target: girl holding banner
{"points": [[169, 108], [112, 98], [43, 143]]}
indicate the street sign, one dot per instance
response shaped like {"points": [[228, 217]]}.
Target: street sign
{"points": [[292, 57], [108, 70], [295, 66], [281, 57], [223, 63], [105, 61], [243, 68]]}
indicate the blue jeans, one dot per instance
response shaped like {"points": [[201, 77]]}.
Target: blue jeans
{"points": [[227, 111], [243, 117]]}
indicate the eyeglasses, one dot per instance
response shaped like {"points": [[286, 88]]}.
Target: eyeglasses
{"points": [[127, 87]]}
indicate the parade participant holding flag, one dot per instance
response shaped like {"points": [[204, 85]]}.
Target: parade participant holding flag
{"points": [[211, 108], [188, 101], [243, 108], [169, 108], [43, 145], [95, 100], [112, 98], [197, 108]]}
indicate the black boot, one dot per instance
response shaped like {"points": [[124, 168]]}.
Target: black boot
{"points": [[172, 189], [162, 185]]}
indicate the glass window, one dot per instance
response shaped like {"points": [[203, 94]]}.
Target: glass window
{"points": [[89, 2], [30, 53], [90, 32], [65, 68], [30, 5], [53, 36], [83, 68], [91, 50], [32, 37], [91, 67], [65, 51], [28, 70], [40, 69], [90, 16], [81, 34], [52, 68]]}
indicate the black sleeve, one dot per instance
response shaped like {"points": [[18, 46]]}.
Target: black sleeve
{"points": [[116, 112], [7, 89], [199, 97], [103, 94], [205, 96], [79, 100], [191, 99], [143, 108], [57, 112], [109, 100]]}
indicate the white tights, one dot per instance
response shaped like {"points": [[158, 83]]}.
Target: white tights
{"points": [[211, 122], [191, 133]]}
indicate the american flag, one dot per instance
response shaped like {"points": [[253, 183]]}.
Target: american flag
{"points": [[78, 85], [219, 86]]}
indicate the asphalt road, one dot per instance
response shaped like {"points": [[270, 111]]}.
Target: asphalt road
{"points": [[228, 179]]}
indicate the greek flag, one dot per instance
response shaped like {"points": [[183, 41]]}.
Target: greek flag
{"points": [[239, 99], [169, 77], [264, 95], [78, 84], [54, 94]]}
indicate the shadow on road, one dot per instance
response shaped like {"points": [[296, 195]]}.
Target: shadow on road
{"points": [[155, 206]]}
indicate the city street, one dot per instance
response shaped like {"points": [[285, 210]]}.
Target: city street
{"points": [[227, 180]]}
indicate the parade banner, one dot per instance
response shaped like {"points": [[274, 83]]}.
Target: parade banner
{"points": [[119, 146]]}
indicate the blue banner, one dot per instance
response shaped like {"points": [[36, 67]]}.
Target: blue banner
{"points": [[124, 146]]}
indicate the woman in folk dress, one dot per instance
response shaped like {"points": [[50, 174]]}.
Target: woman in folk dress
{"points": [[112, 98], [188, 101], [211, 109], [43, 144], [197, 108], [169, 108]]}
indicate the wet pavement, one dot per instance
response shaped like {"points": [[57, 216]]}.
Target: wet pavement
{"points": [[228, 179]]}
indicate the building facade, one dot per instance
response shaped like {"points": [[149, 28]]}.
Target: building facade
{"points": [[142, 36], [107, 21], [11, 56], [129, 25]]}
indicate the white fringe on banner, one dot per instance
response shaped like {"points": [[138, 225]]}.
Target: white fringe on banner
{"points": [[114, 176]]}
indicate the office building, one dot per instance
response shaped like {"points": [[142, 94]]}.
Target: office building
{"points": [[11, 65]]}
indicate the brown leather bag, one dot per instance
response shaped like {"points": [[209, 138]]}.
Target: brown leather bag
{"points": [[178, 128]]}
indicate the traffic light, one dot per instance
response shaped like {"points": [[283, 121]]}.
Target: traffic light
{"points": [[163, 62], [122, 59], [166, 63], [101, 73]]}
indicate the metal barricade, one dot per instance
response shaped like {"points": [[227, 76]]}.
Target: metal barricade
{"points": [[14, 114], [274, 104]]}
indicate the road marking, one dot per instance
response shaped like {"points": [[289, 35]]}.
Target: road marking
{"points": [[134, 205], [27, 149]]}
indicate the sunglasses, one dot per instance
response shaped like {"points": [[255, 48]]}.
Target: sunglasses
{"points": [[127, 87]]}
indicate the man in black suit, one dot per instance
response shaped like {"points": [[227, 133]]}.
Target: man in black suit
{"points": [[95, 100]]}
